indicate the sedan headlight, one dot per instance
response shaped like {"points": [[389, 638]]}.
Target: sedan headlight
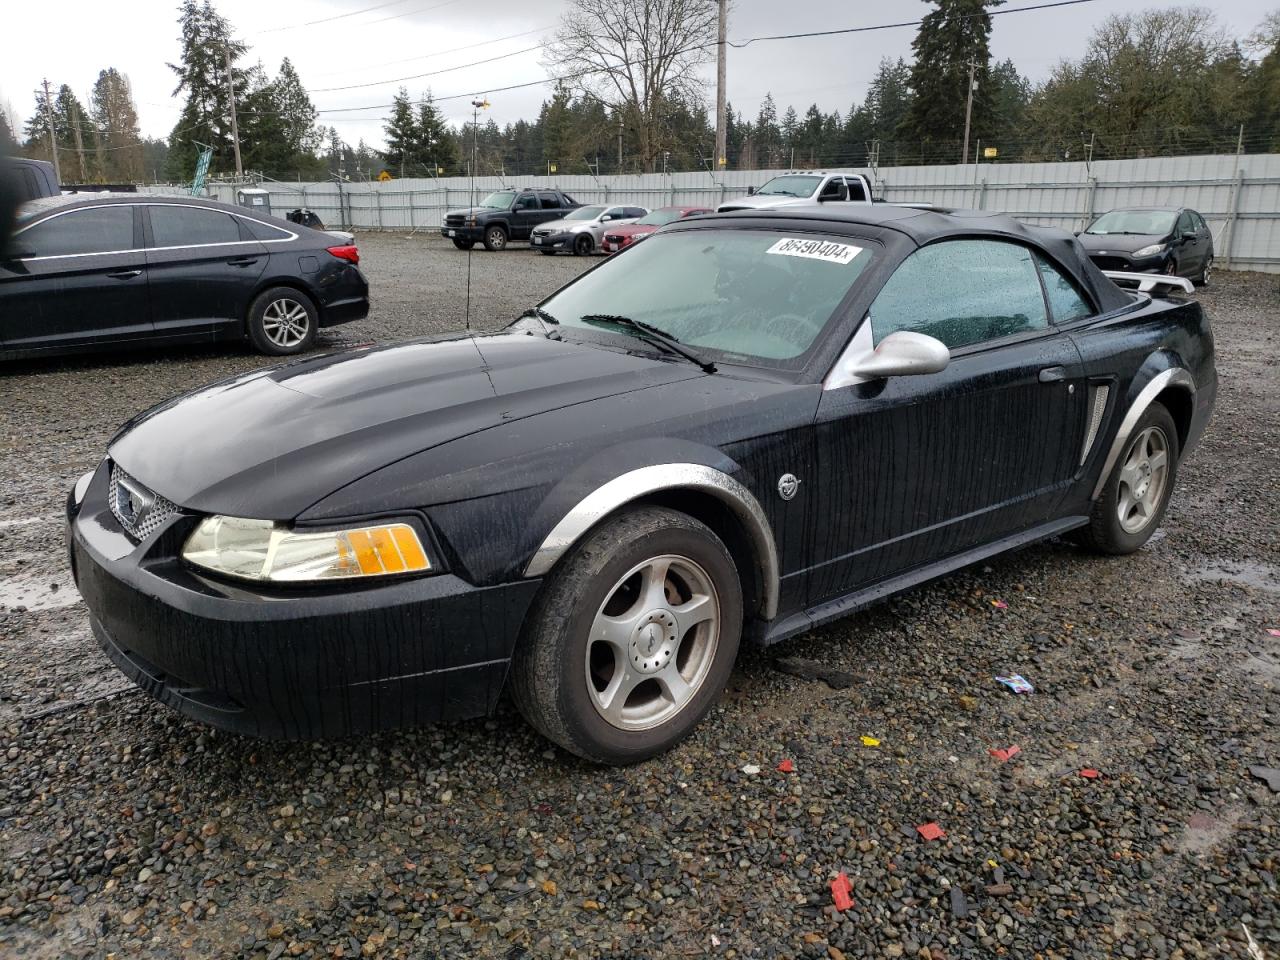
{"points": [[1150, 251], [264, 551]]}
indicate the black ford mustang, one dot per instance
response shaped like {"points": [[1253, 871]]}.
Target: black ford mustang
{"points": [[749, 425]]}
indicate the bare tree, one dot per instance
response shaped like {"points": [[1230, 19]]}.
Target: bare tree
{"points": [[635, 56]]}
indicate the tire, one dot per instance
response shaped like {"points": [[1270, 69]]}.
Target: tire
{"points": [[1171, 268], [565, 676], [1106, 532], [282, 321], [1205, 270], [582, 245], [495, 238], [463, 244]]}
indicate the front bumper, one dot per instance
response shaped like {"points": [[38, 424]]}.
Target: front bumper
{"points": [[552, 241], [295, 664], [454, 232], [1130, 264]]}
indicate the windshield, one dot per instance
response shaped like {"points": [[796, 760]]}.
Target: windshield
{"points": [[660, 217], [751, 297], [585, 213], [1134, 221], [500, 200], [790, 187]]}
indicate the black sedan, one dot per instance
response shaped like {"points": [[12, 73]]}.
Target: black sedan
{"points": [[88, 272], [744, 427], [1170, 240]]}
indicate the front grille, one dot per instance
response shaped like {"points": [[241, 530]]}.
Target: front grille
{"points": [[454, 220], [613, 238], [141, 512], [542, 233], [1110, 263]]}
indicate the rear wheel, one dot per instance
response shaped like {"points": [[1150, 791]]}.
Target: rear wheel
{"points": [[1206, 270], [632, 639], [1136, 494], [463, 244], [282, 321], [582, 245], [495, 239]]}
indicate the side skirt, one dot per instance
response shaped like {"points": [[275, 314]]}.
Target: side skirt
{"points": [[806, 620]]}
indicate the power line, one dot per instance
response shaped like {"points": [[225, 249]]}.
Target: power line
{"points": [[437, 53], [366, 23], [432, 73]]}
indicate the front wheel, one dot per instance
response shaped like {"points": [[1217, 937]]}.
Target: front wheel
{"points": [[495, 239], [1136, 494], [582, 245], [632, 639], [282, 321], [463, 244]]}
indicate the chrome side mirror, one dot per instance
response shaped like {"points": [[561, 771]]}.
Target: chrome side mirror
{"points": [[902, 354]]}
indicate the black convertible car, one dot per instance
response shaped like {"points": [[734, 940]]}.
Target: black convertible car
{"points": [[744, 427], [99, 271]]}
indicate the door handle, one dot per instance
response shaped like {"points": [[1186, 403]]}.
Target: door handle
{"points": [[242, 261], [124, 274], [1053, 374]]}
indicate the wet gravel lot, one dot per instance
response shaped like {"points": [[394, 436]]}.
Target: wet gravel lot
{"points": [[126, 830]]}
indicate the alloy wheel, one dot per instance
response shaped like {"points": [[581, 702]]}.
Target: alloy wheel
{"points": [[286, 322], [1143, 480], [652, 642], [1208, 268]]}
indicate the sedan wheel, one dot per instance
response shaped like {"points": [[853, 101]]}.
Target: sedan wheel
{"points": [[632, 638], [1205, 271], [1142, 480], [582, 245], [282, 321], [1171, 268]]}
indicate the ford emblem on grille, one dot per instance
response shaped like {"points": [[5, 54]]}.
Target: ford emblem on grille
{"points": [[133, 503], [139, 510]]}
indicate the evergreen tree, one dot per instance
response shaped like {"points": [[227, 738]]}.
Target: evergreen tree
{"points": [[7, 141], [768, 138], [949, 39], [789, 128], [435, 147], [206, 115], [119, 142], [403, 137]]}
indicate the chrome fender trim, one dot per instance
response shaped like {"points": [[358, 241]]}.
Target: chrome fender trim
{"points": [[1176, 377], [667, 476]]}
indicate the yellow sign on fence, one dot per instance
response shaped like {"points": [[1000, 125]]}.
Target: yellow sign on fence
{"points": [[990, 152], [384, 176]]}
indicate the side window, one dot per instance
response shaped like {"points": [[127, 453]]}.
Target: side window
{"points": [[1200, 224], [1066, 301], [550, 201], [636, 212], [174, 226], [962, 292], [263, 231], [1184, 224], [856, 193], [527, 201], [834, 189], [97, 230]]}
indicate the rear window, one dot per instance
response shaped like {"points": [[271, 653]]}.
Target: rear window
{"points": [[188, 226], [263, 231], [755, 297]]}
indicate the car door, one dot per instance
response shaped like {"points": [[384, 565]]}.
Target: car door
{"points": [[549, 207], [915, 469], [79, 277], [525, 215], [1204, 239], [204, 268]]}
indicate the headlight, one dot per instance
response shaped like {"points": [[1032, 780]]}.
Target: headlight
{"points": [[1150, 251], [265, 551], [471, 221]]}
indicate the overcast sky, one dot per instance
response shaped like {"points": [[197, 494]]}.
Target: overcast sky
{"points": [[372, 41]]}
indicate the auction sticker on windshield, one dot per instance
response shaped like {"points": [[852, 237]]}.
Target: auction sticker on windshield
{"points": [[815, 250]]}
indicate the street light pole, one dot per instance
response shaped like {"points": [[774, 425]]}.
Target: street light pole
{"points": [[968, 113], [231, 96], [53, 140], [722, 129]]}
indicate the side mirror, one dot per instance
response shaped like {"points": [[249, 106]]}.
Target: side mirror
{"points": [[1188, 235], [903, 354], [1077, 232], [832, 192], [751, 191]]}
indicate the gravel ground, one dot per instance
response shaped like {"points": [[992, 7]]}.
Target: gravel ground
{"points": [[126, 830]]}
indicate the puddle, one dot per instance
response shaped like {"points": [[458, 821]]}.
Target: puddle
{"points": [[1259, 576], [46, 592], [25, 521]]}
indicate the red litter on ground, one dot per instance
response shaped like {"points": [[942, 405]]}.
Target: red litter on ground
{"points": [[841, 889], [931, 831], [1004, 754], [999, 604], [1090, 774], [786, 766], [1273, 631]]}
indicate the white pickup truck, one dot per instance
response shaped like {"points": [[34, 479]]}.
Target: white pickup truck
{"points": [[803, 186]]}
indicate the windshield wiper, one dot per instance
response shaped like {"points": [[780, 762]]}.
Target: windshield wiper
{"points": [[649, 332], [543, 318]]}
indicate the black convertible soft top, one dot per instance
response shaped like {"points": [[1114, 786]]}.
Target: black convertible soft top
{"points": [[926, 225]]}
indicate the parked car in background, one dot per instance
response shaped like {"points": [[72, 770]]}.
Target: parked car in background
{"points": [[34, 178], [505, 216], [803, 187], [583, 230], [618, 238], [1171, 240], [751, 425], [111, 270]]}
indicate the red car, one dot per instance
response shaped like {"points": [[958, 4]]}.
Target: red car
{"points": [[623, 236]]}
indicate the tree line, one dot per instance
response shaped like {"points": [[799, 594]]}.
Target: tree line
{"points": [[1160, 82]]}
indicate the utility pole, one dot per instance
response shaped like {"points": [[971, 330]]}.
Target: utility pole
{"points": [[722, 130], [53, 140], [968, 113], [619, 140], [231, 96]]}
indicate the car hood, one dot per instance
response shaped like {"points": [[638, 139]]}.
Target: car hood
{"points": [[268, 445], [761, 201], [1119, 242], [630, 230], [566, 226], [475, 211]]}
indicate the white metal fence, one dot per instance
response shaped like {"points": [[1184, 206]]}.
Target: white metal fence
{"points": [[1238, 195]]}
